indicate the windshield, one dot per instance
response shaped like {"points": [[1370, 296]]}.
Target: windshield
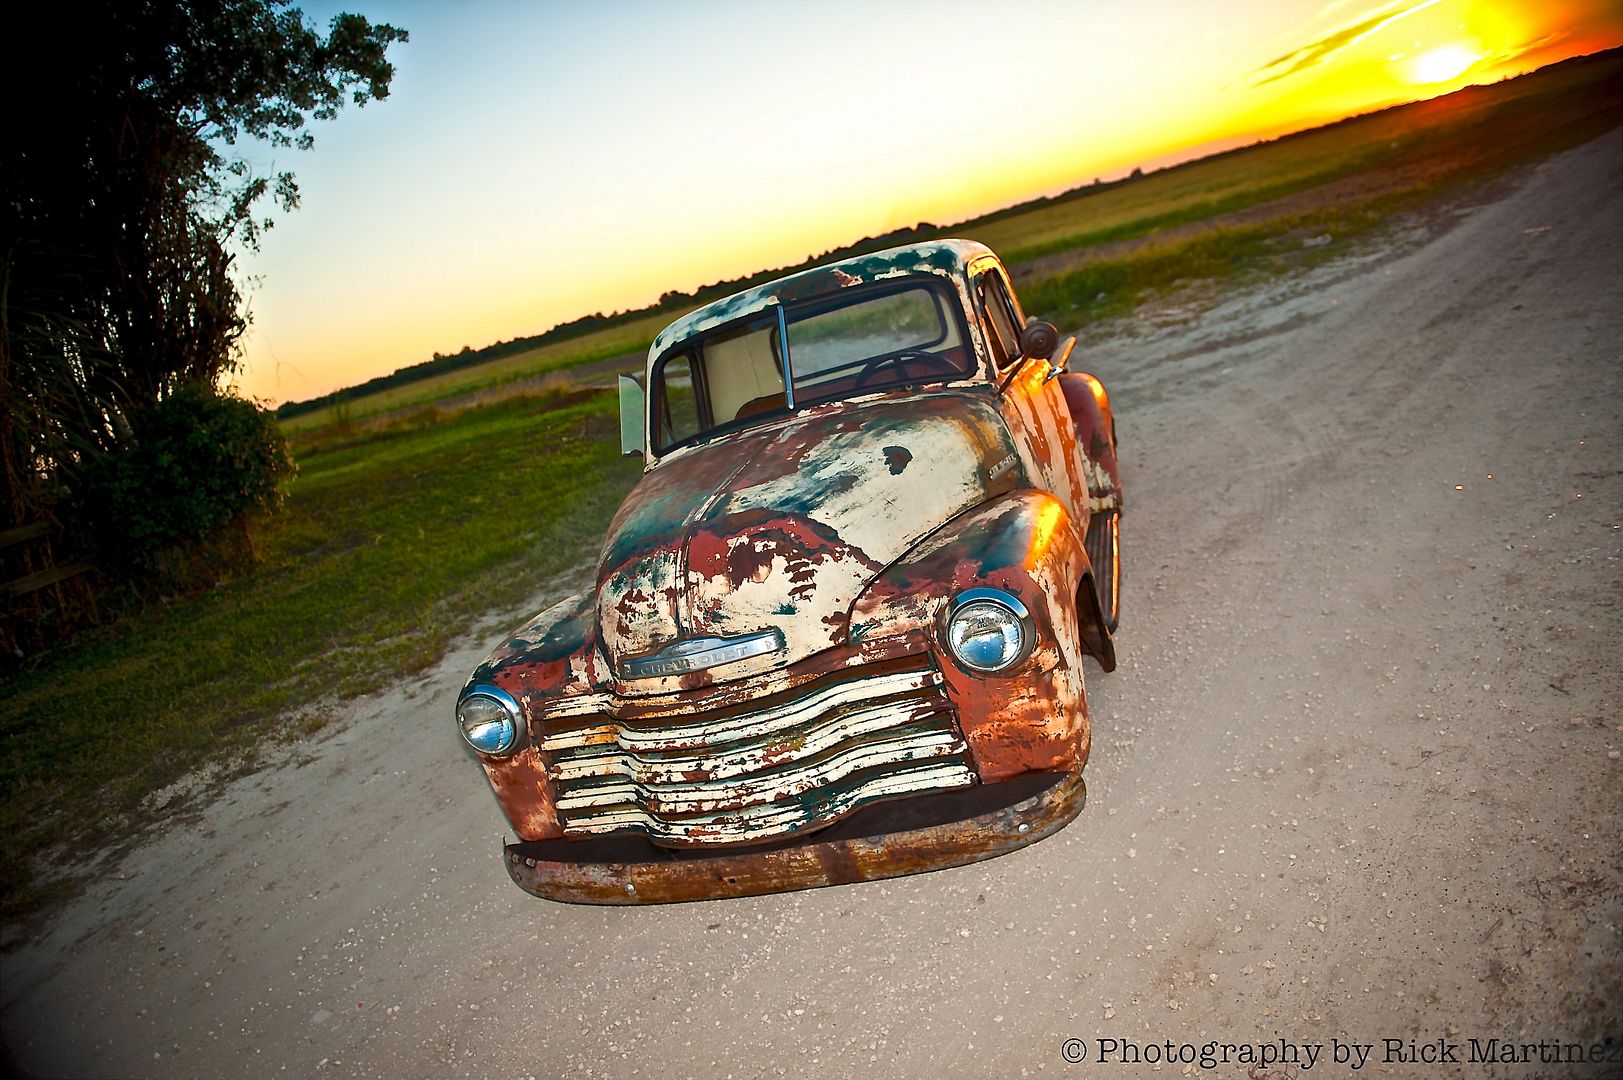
{"points": [[855, 342]]}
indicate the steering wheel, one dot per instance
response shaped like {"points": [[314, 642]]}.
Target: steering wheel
{"points": [[897, 359]]}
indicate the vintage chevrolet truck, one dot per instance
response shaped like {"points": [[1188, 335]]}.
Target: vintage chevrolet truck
{"points": [[839, 623]]}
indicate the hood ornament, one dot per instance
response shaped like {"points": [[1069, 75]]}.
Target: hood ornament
{"points": [[696, 654]]}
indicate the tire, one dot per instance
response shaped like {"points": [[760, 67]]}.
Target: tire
{"points": [[1103, 545]]}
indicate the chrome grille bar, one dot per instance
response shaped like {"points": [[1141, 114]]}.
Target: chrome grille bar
{"points": [[707, 795], [738, 776], [707, 731], [758, 823]]}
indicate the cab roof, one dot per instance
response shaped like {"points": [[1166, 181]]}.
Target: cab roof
{"points": [[943, 258]]}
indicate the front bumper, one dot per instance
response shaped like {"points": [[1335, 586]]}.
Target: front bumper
{"points": [[890, 839]]}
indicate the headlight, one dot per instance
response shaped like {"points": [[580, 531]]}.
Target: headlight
{"points": [[989, 630], [489, 719]]}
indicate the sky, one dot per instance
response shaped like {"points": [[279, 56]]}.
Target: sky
{"points": [[535, 162]]}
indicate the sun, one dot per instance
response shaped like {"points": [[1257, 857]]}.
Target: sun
{"points": [[1441, 65]]}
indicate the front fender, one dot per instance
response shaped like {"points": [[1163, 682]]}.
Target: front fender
{"points": [[542, 662], [1033, 717], [1096, 434]]}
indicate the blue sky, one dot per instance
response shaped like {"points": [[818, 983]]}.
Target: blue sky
{"points": [[536, 162]]}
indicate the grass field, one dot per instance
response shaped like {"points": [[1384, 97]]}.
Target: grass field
{"points": [[1193, 193], [1221, 185], [389, 546], [400, 530], [1331, 185], [633, 337]]}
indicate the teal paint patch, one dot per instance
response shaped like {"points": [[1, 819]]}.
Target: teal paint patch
{"points": [[533, 644], [1000, 543]]}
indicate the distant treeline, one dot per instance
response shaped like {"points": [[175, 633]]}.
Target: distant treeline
{"points": [[676, 300], [469, 356], [672, 301]]}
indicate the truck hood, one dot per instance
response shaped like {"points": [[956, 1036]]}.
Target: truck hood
{"points": [[782, 527]]}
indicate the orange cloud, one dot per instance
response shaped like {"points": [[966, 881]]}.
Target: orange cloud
{"points": [[1320, 51]]}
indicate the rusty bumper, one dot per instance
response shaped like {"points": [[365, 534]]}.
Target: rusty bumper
{"points": [[906, 836]]}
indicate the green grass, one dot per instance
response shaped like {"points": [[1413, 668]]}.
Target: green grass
{"points": [[1112, 287], [388, 547], [1164, 200]]}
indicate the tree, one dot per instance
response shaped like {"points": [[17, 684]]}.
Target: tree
{"points": [[123, 194]]}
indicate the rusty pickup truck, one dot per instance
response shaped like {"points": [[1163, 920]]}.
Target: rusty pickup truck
{"points": [[839, 623]]}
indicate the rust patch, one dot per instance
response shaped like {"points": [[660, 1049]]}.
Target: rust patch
{"points": [[896, 458]]}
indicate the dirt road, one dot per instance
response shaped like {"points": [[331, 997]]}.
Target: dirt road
{"points": [[1357, 779]]}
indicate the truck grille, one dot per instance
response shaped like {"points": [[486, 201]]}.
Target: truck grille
{"points": [[763, 770]]}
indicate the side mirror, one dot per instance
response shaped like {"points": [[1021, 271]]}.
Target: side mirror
{"points": [[1039, 339], [631, 416]]}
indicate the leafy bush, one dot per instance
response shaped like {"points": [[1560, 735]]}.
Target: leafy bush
{"points": [[175, 501]]}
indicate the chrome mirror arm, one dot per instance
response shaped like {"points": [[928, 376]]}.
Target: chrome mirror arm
{"points": [[1061, 358]]}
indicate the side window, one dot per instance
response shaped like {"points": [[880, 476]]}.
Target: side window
{"points": [[994, 301], [679, 402]]}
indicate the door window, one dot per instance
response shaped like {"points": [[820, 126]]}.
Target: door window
{"points": [[1005, 334]]}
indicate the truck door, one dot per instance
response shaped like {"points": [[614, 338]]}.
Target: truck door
{"points": [[1033, 404]]}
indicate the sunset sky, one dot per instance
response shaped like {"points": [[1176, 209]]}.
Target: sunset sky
{"points": [[536, 162]]}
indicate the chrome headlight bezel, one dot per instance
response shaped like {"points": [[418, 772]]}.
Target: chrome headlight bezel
{"points": [[507, 722], [1000, 604]]}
